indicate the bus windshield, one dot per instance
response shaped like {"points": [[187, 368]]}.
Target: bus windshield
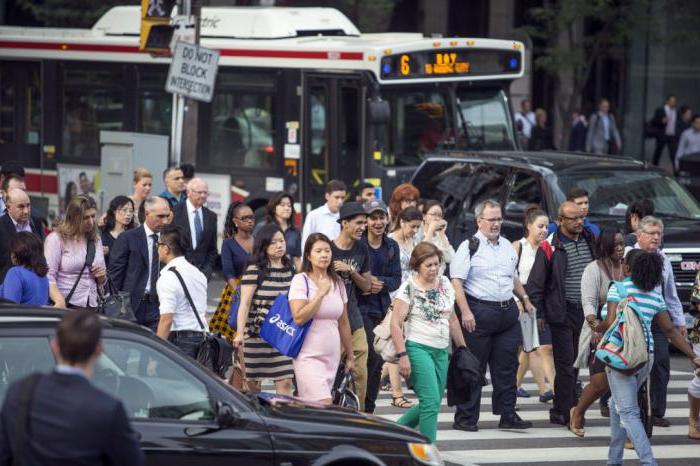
{"points": [[484, 120], [427, 120]]}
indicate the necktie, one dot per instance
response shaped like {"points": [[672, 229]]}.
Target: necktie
{"points": [[155, 263], [197, 228]]}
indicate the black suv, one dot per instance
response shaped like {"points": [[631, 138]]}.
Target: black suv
{"points": [[185, 415], [460, 180]]}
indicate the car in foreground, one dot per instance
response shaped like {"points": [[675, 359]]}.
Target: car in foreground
{"points": [[460, 180], [186, 415]]}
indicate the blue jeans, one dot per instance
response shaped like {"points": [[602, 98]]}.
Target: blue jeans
{"points": [[624, 416]]}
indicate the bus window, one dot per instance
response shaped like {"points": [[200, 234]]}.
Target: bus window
{"points": [[484, 120], [93, 101], [7, 106], [155, 105], [242, 130], [420, 123]]}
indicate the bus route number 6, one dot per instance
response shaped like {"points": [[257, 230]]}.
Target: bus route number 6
{"points": [[405, 65]]}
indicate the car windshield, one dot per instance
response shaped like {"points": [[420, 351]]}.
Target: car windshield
{"points": [[611, 191], [484, 120]]}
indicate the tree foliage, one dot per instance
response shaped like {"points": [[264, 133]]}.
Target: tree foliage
{"points": [[69, 13]]}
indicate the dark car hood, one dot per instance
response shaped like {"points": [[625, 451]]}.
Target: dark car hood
{"points": [[318, 419], [681, 233]]}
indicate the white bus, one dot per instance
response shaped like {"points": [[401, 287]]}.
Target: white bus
{"points": [[301, 97]]}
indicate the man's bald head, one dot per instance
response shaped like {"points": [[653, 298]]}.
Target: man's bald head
{"points": [[157, 212], [18, 205], [197, 192], [570, 219]]}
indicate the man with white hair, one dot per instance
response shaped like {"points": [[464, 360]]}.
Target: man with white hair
{"points": [[199, 225], [650, 233], [17, 218]]}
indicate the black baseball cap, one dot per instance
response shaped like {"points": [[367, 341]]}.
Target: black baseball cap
{"points": [[351, 209], [12, 168]]}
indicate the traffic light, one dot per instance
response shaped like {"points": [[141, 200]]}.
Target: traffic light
{"points": [[156, 28]]}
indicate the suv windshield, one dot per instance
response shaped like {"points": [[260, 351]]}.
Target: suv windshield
{"points": [[484, 120], [611, 191]]}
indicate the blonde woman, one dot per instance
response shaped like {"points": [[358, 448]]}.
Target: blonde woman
{"points": [[143, 183]]}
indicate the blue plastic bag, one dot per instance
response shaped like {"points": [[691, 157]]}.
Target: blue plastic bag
{"points": [[280, 330]]}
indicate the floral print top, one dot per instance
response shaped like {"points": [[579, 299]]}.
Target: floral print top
{"points": [[429, 311], [694, 330]]}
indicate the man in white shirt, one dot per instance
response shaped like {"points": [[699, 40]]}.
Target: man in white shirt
{"points": [[179, 323], [689, 142], [665, 122], [325, 218], [525, 119]]}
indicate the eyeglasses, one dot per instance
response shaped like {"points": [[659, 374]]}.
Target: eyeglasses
{"points": [[492, 220], [246, 218], [201, 193], [159, 244], [435, 214]]}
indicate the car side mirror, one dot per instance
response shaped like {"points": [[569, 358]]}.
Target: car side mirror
{"points": [[226, 416]]}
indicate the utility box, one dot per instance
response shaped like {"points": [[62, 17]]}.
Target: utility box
{"points": [[122, 153]]}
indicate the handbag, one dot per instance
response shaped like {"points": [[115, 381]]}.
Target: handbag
{"points": [[89, 259], [233, 309], [237, 378], [214, 352], [383, 343], [116, 304], [279, 328], [343, 392], [219, 321]]}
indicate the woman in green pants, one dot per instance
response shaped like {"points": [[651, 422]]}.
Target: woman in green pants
{"points": [[424, 314]]}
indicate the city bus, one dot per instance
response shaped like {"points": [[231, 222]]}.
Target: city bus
{"points": [[301, 97]]}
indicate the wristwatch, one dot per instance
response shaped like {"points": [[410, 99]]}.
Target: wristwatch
{"points": [[524, 297], [401, 354]]}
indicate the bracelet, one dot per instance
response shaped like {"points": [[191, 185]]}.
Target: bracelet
{"points": [[401, 354]]}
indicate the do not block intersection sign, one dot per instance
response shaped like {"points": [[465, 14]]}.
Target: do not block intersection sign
{"points": [[193, 72]]}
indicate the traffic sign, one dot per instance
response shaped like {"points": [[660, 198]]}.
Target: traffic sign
{"points": [[192, 72]]}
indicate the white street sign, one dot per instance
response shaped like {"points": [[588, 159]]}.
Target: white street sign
{"points": [[192, 72]]}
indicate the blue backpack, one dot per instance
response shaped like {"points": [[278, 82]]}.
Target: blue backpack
{"points": [[279, 328], [624, 346]]}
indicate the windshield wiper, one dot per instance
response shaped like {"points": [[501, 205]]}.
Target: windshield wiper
{"points": [[670, 215]]}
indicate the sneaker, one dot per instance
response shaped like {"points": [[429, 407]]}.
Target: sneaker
{"points": [[546, 396], [605, 410], [522, 393]]}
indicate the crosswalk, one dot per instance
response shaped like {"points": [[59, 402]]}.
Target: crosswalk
{"points": [[552, 444]]}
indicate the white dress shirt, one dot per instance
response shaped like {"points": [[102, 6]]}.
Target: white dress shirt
{"points": [[149, 243], [670, 120], [173, 300], [190, 218], [321, 220], [490, 273], [21, 226]]}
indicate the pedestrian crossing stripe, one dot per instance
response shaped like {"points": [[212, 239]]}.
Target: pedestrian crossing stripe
{"points": [[546, 432]]}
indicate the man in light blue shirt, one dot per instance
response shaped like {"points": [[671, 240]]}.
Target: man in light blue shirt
{"points": [[689, 142], [650, 232], [484, 277]]}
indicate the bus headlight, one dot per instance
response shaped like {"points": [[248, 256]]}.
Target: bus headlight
{"points": [[426, 453]]}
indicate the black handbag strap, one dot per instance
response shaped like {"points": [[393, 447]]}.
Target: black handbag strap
{"points": [[189, 298], [22, 423], [89, 258]]}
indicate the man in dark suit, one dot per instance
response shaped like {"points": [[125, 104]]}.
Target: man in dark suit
{"points": [[18, 218], [199, 225], [134, 265], [71, 421], [663, 126]]}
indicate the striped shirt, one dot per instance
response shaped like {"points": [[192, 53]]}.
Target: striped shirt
{"points": [[275, 283], [646, 303], [578, 256]]}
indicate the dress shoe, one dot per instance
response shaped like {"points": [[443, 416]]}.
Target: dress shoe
{"points": [[465, 427], [660, 421], [605, 410], [546, 396], [513, 422], [556, 417]]}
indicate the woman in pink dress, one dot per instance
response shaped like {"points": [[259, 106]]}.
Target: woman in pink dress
{"points": [[319, 294]]}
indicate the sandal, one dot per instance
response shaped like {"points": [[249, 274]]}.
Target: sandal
{"points": [[401, 402], [577, 431]]}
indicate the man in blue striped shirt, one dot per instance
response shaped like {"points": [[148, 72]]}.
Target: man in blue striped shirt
{"points": [[650, 232]]}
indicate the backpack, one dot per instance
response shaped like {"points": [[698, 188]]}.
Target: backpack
{"points": [[624, 346], [473, 246]]}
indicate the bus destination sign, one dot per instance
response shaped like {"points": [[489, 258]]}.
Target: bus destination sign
{"points": [[451, 63]]}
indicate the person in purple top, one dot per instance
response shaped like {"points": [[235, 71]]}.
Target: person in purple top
{"points": [[26, 281]]}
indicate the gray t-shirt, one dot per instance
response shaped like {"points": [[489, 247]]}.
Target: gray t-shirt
{"points": [[578, 256], [356, 257]]}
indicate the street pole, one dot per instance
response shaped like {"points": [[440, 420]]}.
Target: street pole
{"points": [[190, 114]]}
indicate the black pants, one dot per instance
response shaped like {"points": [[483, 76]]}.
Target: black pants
{"points": [[495, 342], [565, 349], [148, 315], [671, 142], [660, 372], [188, 342], [374, 364]]}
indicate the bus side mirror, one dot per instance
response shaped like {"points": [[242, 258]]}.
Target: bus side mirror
{"points": [[379, 112]]}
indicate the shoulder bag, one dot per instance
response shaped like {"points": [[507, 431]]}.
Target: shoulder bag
{"points": [[89, 259], [115, 304], [383, 344], [214, 352]]}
